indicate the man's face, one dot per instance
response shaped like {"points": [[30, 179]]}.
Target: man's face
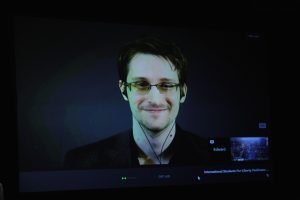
{"points": [[155, 109]]}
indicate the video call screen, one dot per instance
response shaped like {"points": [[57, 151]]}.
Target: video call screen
{"points": [[68, 96]]}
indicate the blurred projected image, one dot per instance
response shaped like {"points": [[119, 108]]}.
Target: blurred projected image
{"points": [[249, 148]]}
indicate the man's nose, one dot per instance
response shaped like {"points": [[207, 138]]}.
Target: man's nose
{"points": [[154, 95]]}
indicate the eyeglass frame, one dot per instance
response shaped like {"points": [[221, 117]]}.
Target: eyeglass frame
{"points": [[149, 86]]}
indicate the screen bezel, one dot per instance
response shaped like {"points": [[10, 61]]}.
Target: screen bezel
{"points": [[197, 188]]}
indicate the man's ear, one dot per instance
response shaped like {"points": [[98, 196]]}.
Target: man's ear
{"points": [[123, 90], [183, 92]]}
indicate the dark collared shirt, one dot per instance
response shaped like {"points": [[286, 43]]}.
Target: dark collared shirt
{"points": [[121, 151]]}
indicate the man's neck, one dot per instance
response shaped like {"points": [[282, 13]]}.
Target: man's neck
{"points": [[150, 142]]}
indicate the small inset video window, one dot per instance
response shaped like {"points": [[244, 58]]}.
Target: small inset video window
{"points": [[249, 148]]}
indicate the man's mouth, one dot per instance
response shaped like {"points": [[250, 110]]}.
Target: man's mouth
{"points": [[155, 110]]}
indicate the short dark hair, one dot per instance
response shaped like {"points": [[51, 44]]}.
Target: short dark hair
{"points": [[154, 46]]}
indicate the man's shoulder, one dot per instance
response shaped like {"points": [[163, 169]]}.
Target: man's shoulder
{"points": [[191, 148], [111, 141], [191, 137], [192, 142], [99, 153]]}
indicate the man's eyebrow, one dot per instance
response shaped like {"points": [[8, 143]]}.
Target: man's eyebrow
{"points": [[167, 80], [139, 79], [160, 80]]}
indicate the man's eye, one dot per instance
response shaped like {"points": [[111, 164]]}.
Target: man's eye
{"points": [[166, 85], [141, 84]]}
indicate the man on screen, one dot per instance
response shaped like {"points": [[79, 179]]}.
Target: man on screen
{"points": [[153, 81]]}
